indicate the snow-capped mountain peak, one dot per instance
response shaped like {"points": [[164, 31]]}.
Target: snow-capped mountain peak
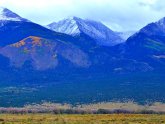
{"points": [[7, 15], [67, 26], [75, 26]]}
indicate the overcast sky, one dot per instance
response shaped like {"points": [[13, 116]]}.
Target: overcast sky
{"points": [[119, 15]]}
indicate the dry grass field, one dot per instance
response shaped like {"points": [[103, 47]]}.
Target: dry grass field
{"points": [[81, 119]]}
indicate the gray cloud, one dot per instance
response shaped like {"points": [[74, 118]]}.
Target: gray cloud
{"points": [[120, 15]]}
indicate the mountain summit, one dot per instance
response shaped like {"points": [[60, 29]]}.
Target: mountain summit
{"points": [[148, 44], [96, 30], [14, 28], [7, 15], [153, 33]]}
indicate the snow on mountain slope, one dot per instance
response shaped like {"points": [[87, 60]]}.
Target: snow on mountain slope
{"points": [[7, 15], [67, 26], [76, 26], [126, 35]]}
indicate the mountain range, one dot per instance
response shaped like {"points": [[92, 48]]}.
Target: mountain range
{"points": [[96, 30], [79, 50]]}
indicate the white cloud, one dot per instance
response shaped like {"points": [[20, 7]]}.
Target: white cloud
{"points": [[117, 14]]}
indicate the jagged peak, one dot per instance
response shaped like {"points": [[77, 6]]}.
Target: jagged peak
{"points": [[8, 15], [72, 18], [78, 19]]}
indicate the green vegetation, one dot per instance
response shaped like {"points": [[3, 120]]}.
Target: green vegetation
{"points": [[82, 119], [139, 88], [155, 45]]}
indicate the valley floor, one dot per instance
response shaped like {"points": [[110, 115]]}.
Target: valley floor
{"points": [[81, 119]]}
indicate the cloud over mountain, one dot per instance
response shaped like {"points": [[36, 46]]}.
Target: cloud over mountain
{"points": [[118, 15]]}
